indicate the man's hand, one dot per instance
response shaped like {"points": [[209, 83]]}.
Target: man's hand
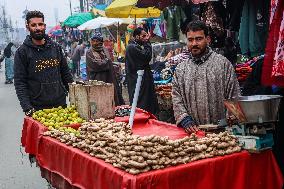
{"points": [[191, 129], [169, 55], [232, 120], [189, 125], [147, 38], [30, 112]]}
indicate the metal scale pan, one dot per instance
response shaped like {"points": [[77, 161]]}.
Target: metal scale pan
{"points": [[254, 109]]}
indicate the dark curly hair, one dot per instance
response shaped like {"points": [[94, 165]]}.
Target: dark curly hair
{"points": [[34, 14], [197, 26], [138, 31]]}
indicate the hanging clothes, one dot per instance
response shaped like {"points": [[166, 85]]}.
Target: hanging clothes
{"points": [[120, 49], [147, 23], [254, 27], [273, 66], [173, 15], [234, 10], [108, 44], [191, 12], [127, 37], [278, 63], [163, 27], [214, 15], [157, 29]]}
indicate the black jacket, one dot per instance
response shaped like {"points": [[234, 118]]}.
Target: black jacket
{"points": [[41, 75], [138, 58]]}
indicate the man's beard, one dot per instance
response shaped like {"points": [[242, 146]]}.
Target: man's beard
{"points": [[201, 53], [38, 36], [139, 41], [98, 47]]}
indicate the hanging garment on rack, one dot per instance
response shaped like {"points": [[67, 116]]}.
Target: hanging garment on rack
{"points": [[127, 37], [254, 27], [273, 66], [234, 10], [213, 14], [148, 25], [163, 27], [278, 63], [191, 12], [157, 29], [173, 15]]}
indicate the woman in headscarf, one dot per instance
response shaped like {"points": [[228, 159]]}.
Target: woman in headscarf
{"points": [[9, 63], [100, 67]]}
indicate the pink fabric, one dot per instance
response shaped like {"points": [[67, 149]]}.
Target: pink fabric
{"points": [[273, 65], [278, 62]]}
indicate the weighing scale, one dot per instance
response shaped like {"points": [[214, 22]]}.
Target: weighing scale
{"points": [[256, 119]]}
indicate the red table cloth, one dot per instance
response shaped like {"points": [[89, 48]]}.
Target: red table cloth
{"points": [[235, 171]]}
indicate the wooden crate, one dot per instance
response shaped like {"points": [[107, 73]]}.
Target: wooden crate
{"points": [[93, 100]]}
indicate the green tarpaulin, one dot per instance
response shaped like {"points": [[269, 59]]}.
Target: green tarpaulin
{"points": [[78, 19]]}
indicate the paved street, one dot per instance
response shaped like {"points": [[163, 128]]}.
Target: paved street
{"points": [[16, 171]]}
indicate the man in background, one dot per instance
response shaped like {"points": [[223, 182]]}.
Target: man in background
{"points": [[78, 52], [138, 56]]}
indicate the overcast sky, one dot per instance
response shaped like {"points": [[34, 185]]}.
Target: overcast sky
{"points": [[15, 9]]}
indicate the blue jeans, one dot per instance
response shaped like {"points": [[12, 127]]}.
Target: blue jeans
{"points": [[9, 68]]}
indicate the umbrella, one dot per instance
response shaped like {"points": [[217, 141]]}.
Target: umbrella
{"points": [[101, 6], [126, 8], [55, 31], [98, 12], [99, 23], [124, 20], [78, 19]]}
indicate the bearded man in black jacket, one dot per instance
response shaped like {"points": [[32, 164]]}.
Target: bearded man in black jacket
{"points": [[41, 71], [138, 56]]}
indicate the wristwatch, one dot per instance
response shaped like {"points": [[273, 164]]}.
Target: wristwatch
{"points": [[30, 112]]}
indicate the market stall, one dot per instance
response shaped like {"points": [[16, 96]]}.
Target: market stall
{"points": [[241, 170]]}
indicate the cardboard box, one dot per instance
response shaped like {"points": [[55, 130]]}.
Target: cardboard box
{"points": [[93, 99]]}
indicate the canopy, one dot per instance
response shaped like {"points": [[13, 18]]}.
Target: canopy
{"points": [[78, 19], [124, 20], [99, 23], [55, 31], [127, 8], [131, 20], [101, 6], [98, 12]]}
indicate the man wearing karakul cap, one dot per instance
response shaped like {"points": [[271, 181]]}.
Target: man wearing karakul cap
{"points": [[100, 67]]}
